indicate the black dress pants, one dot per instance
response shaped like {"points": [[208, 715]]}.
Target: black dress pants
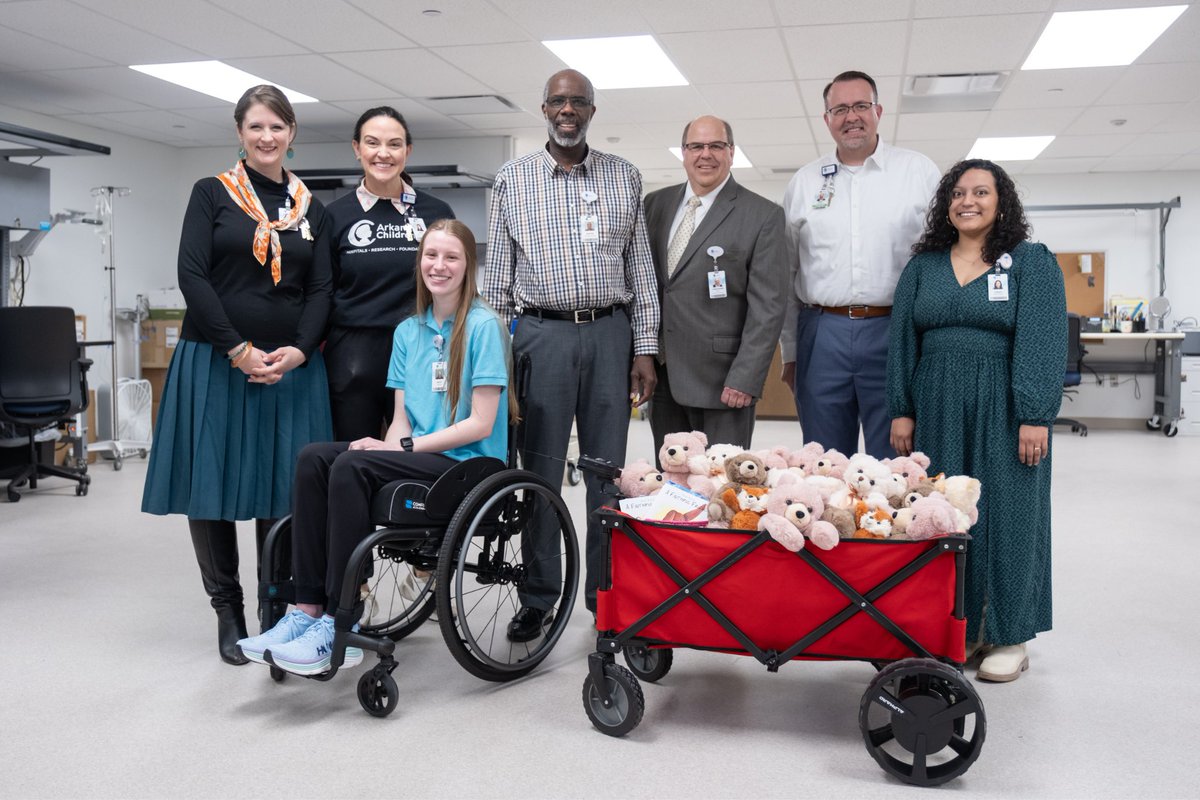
{"points": [[332, 509]]}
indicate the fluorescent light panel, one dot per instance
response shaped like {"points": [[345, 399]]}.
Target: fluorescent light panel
{"points": [[214, 79], [1010, 148], [1110, 38], [619, 62], [739, 158]]}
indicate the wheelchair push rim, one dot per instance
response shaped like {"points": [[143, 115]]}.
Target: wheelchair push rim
{"points": [[483, 568]]}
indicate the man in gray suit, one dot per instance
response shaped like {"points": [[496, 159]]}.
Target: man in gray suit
{"points": [[719, 254]]}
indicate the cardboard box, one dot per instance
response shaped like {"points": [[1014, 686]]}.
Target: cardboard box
{"points": [[159, 338], [167, 313], [81, 327], [157, 378]]}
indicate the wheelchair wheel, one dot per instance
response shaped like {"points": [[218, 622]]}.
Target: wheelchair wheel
{"points": [[626, 706], [377, 693], [484, 567], [399, 597], [649, 664], [922, 721]]}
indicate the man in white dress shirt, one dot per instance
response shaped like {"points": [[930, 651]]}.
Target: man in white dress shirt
{"points": [[852, 217]]}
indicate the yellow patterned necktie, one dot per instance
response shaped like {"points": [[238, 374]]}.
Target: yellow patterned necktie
{"points": [[679, 241]]}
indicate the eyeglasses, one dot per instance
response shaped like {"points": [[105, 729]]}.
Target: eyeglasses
{"points": [[699, 147], [858, 108], [558, 101]]}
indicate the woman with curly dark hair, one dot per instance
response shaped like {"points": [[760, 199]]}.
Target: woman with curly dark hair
{"points": [[975, 369]]}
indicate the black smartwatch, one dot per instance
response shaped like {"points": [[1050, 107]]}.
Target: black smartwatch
{"points": [[407, 444]]}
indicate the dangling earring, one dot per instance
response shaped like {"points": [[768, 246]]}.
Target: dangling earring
{"points": [[1002, 216], [291, 153], [241, 153]]}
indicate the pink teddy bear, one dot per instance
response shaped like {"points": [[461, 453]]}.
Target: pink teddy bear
{"points": [[684, 462], [794, 509], [639, 478]]}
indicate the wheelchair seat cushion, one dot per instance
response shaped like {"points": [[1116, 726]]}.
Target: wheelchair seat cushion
{"points": [[401, 502]]}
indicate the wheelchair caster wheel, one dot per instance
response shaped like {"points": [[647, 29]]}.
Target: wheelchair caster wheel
{"points": [[649, 665], [277, 674], [626, 703], [377, 693], [574, 476], [13, 495]]}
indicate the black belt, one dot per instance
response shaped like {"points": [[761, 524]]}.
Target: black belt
{"points": [[578, 316]]}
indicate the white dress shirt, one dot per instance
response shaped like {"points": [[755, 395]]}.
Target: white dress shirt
{"points": [[706, 202], [852, 250]]}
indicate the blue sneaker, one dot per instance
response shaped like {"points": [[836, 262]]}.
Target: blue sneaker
{"points": [[293, 624], [309, 653]]}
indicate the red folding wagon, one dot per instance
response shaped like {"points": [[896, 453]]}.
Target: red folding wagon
{"points": [[896, 604]]}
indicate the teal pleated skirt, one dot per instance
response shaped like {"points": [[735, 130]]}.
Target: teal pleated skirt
{"points": [[225, 448]]}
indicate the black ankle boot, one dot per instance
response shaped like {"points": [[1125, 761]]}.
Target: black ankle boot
{"points": [[231, 626], [215, 543]]}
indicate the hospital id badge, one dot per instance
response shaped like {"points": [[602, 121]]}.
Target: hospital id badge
{"points": [[716, 285], [439, 376], [589, 230], [997, 287], [418, 227]]}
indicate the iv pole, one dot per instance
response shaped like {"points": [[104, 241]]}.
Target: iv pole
{"points": [[104, 200]]}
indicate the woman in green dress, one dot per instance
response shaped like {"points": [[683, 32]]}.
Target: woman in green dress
{"points": [[975, 372]]}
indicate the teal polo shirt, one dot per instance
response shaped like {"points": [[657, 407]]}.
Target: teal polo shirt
{"points": [[485, 363]]}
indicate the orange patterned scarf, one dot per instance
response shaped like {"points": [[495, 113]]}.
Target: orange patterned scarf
{"points": [[237, 183]]}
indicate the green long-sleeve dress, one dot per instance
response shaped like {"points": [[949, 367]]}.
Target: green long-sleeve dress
{"points": [[970, 371]]}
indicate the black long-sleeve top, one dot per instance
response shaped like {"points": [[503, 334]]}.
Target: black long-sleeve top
{"points": [[230, 297], [374, 259]]}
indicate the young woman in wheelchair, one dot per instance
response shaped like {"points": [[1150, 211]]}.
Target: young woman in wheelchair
{"points": [[450, 372]]}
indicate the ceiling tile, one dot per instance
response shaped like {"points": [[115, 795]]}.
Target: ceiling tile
{"points": [[1134, 163], [1154, 83], [211, 32], [954, 45], [412, 73], [51, 93], [942, 151], [82, 29], [759, 100], [1061, 166], [819, 12], [1029, 121], [314, 75], [675, 104], [458, 23], [669, 16], [21, 51], [1178, 42], [783, 130], [508, 67], [946, 125], [493, 122], [1137, 119], [1087, 146], [822, 51], [745, 55], [1047, 88], [923, 9], [776, 155], [1153, 144], [308, 23], [540, 21], [131, 85]]}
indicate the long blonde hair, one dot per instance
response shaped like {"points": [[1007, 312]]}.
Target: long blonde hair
{"points": [[467, 298]]}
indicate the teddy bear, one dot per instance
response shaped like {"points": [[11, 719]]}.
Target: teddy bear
{"points": [[924, 488], [806, 457], [746, 504], [911, 467], [931, 516], [831, 463], [842, 520], [639, 478], [866, 474], [743, 469], [775, 463], [901, 517], [683, 461], [793, 510], [963, 493], [717, 455]]}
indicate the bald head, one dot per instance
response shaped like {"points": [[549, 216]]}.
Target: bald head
{"points": [[572, 75], [712, 120]]}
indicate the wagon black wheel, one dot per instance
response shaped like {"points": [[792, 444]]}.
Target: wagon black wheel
{"points": [[399, 596], [626, 704], [487, 559], [922, 721], [377, 693], [649, 664]]}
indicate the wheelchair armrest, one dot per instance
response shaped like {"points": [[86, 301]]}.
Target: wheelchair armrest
{"points": [[449, 490]]}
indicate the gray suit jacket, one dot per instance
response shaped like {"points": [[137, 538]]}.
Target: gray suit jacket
{"points": [[713, 343]]}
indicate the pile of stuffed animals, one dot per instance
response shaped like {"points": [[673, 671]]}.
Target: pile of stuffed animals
{"points": [[812, 493]]}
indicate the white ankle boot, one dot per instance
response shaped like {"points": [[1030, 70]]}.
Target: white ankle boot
{"points": [[1004, 664]]}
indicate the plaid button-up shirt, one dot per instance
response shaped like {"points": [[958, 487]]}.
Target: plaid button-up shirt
{"points": [[537, 256]]}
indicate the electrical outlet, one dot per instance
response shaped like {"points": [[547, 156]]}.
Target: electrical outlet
{"points": [[1112, 381]]}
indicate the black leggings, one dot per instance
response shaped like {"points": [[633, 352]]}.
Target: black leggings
{"points": [[357, 360], [332, 509]]}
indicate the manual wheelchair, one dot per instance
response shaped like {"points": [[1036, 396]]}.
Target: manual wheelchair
{"points": [[459, 546]]}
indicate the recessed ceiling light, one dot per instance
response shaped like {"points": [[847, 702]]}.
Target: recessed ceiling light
{"points": [[1108, 38], [739, 158], [214, 79], [619, 62], [1009, 148]]}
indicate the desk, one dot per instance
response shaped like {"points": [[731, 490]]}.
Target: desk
{"points": [[1167, 369]]}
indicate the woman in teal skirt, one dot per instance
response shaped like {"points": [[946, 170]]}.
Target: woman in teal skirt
{"points": [[975, 370], [246, 389]]}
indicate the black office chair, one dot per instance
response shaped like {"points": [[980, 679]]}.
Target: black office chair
{"points": [[1072, 377], [43, 382]]}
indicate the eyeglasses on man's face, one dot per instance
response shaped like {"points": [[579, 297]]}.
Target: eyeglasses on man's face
{"points": [[699, 147], [837, 112], [558, 101]]}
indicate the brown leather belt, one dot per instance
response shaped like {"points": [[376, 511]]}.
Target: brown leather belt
{"points": [[578, 316], [855, 312]]}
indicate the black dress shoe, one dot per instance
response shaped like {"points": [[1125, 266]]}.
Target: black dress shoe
{"points": [[528, 624]]}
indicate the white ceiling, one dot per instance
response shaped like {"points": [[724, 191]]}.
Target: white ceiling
{"points": [[761, 64]]}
